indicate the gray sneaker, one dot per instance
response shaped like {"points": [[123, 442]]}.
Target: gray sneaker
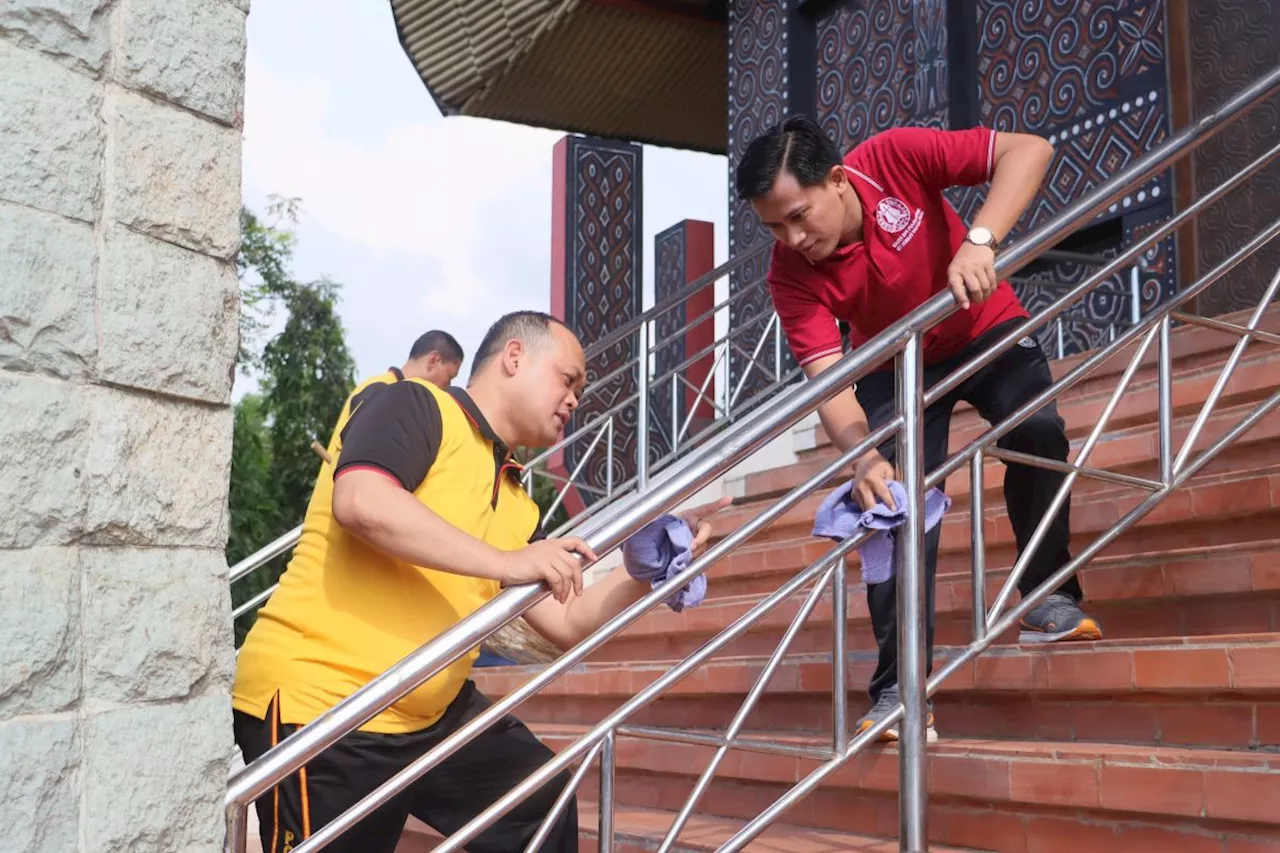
{"points": [[1057, 618], [889, 700]]}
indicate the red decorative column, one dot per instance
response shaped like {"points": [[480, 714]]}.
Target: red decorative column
{"points": [[595, 288], [682, 253]]}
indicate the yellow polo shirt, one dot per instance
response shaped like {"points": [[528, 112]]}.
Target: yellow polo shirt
{"points": [[345, 612]]}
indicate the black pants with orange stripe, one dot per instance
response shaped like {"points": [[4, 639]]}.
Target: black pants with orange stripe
{"points": [[445, 798]]}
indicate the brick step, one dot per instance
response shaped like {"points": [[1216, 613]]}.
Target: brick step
{"points": [[640, 830], [1220, 691], [1255, 453], [995, 794], [1229, 507], [1199, 355], [1133, 451], [1222, 589]]}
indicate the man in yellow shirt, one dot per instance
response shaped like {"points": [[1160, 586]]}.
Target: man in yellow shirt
{"points": [[418, 521], [435, 356]]}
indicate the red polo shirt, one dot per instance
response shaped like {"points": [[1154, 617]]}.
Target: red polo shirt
{"points": [[910, 233]]}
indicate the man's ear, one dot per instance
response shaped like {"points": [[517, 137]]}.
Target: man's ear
{"points": [[512, 356]]}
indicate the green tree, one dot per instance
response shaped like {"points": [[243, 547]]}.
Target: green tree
{"points": [[252, 503], [308, 375], [305, 372]]}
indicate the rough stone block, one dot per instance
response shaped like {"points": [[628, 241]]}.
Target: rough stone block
{"points": [[46, 293], [73, 32], [51, 136], [157, 473], [44, 431], [39, 788], [190, 52], [176, 176], [170, 318], [242, 5], [157, 624], [155, 777], [40, 639]]}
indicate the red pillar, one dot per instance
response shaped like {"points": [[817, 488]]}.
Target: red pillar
{"points": [[683, 253], [595, 288]]}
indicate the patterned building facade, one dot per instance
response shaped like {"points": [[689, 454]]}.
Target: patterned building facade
{"points": [[595, 289], [1092, 76]]}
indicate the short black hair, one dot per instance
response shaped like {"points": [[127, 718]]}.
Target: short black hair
{"points": [[439, 342], [796, 144], [532, 327]]}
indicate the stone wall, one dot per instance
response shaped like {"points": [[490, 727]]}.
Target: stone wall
{"points": [[119, 200]]}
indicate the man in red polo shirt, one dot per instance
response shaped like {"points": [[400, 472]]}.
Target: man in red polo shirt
{"points": [[865, 240]]}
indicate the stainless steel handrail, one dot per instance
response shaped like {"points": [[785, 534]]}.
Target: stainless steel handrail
{"points": [[687, 476]]}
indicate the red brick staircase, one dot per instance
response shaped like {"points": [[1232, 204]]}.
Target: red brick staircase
{"points": [[1163, 737]]}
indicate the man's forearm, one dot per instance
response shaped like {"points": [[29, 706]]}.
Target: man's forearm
{"points": [[371, 506], [1016, 178], [570, 623]]}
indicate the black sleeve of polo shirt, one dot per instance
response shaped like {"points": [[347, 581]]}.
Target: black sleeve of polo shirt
{"points": [[397, 430]]}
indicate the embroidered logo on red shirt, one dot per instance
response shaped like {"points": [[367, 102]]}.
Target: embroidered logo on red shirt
{"points": [[892, 215]]}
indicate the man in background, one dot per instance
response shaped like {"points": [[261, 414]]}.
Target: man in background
{"points": [[435, 357]]}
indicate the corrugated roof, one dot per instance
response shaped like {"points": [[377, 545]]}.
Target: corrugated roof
{"points": [[606, 69]]}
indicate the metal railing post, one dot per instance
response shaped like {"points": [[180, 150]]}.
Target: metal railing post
{"points": [[912, 788], [237, 839], [839, 628], [1135, 294], [642, 409], [608, 761], [978, 543], [1165, 390]]}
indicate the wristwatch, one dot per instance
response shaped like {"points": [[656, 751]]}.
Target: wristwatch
{"points": [[981, 236]]}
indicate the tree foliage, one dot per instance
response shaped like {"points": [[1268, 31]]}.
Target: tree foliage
{"points": [[305, 373]]}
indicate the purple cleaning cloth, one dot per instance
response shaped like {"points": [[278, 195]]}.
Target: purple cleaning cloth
{"points": [[840, 516], [660, 550]]}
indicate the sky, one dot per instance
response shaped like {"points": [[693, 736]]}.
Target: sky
{"points": [[426, 221]]}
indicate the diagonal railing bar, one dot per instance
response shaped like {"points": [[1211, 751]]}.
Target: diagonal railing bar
{"points": [[805, 786], [577, 469], [1032, 547], [245, 787], [1124, 259], [752, 362], [676, 298], [1098, 357], [740, 331], [1223, 326], [253, 602], [1228, 369], [901, 341], [562, 802], [280, 545], [1070, 468], [701, 396], [539, 777], [677, 673], [744, 710], [765, 747]]}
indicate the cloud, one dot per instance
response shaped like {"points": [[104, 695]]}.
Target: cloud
{"points": [[423, 189]]}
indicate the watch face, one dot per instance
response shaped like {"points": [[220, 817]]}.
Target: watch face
{"points": [[980, 235]]}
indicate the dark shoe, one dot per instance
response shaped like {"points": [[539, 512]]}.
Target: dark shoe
{"points": [[889, 700], [1058, 618]]}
